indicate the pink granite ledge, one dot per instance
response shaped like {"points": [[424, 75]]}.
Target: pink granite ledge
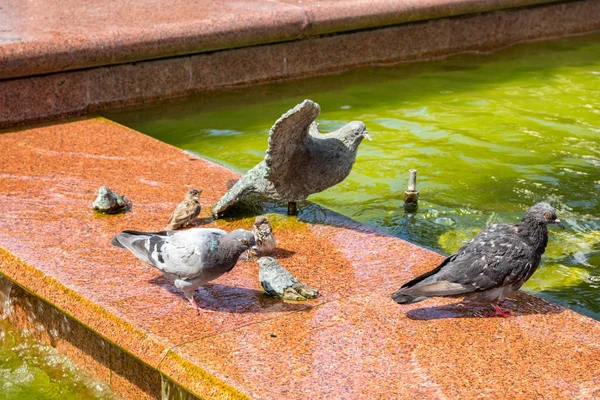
{"points": [[47, 36], [353, 342]]}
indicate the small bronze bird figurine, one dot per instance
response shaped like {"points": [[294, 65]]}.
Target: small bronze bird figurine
{"points": [[263, 233], [185, 211], [109, 202], [278, 282]]}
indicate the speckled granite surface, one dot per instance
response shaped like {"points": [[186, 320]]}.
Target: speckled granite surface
{"points": [[352, 342], [42, 36], [259, 41]]}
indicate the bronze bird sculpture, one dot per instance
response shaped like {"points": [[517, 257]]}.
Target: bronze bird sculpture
{"points": [[300, 160], [109, 202], [278, 282]]}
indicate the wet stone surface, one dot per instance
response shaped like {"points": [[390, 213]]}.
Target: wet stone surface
{"points": [[352, 341]]}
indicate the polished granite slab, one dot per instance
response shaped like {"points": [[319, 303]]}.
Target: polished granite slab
{"points": [[352, 342]]}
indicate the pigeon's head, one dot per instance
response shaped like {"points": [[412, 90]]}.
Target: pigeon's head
{"points": [[542, 213], [243, 240], [193, 194], [262, 223], [353, 133]]}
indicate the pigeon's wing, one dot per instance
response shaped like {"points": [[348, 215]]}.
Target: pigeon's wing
{"points": [[184, 253], [287, 137], [179, 253], [496, 257], [143, 245]]}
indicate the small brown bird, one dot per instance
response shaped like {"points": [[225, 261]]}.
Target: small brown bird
{"points": [[185, 211], [265, 241]]}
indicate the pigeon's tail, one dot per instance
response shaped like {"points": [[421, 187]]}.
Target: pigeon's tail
{"points": [[115, 242], [125, 238], [144, 245], [402, 298], [410, 292]]}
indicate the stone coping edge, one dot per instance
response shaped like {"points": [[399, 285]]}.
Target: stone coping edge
{"points": [[40, 305], [76, 93], [219, 29]]}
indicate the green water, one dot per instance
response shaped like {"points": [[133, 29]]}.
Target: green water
{"points": [[30, 371], [490, 135]]}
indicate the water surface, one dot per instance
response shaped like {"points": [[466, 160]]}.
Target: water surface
{"points": [[490, 135], [31, 371]]}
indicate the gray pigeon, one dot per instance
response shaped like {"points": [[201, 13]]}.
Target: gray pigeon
{"points": [[186, 211], [278, 282], [263, 233], [108, 202], [189, 258], [490, 267], [300, 161]]}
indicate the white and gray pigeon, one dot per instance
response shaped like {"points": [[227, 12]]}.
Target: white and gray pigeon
{"points": [[186, 211], [263, 233], [189, 258], [300, 160], [278, 282], [490, 267]]}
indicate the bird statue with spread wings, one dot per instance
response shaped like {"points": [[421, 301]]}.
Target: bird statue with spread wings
{"points": [[300, 160]]}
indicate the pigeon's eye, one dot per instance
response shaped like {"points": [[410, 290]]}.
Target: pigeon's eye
{"points": [[244, 242], [547, 216]]}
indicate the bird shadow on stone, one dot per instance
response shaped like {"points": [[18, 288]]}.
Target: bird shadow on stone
{"points": [[199, 222], [308, 212], [520, 304], [253, 205], [282, 253], [232, 299]]}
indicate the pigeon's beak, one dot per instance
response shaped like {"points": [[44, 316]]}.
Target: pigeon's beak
{"points": [[366, 135], [255, 250], [557, 222]]}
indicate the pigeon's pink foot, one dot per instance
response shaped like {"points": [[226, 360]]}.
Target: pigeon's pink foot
{"points": [[194, 305], [500, 312], [198, 309]]}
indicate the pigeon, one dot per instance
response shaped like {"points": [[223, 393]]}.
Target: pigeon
{"points": [[490, 267], [186, 211], [300, 161], [263, 233], [189, 258], [108, 202], [278, 282]]}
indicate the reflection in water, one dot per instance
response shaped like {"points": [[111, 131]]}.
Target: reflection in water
{"points": [[490, 135], [29, 370]]}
